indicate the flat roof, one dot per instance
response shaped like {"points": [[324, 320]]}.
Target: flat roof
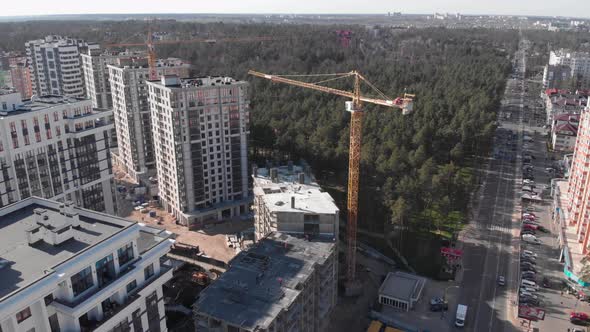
{"points": [[27, 263], [278, 194], [402, 286], [42, 103], [199, 82], [263, 281]]}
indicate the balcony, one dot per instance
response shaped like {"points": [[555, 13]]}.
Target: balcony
{"points": [[92, 325], [115, 308], [81, 299]]}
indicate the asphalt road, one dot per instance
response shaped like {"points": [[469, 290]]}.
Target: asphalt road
{"points": [[489, 244]]}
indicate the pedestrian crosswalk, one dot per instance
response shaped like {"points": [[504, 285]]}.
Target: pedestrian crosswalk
{"points": [[497, 228]]}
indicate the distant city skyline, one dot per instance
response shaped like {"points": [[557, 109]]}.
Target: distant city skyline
{"points": [[567, 8]]}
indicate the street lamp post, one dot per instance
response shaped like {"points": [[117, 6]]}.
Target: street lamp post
{"points": [[444, 298]]}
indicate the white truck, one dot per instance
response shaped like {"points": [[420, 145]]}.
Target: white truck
{"points": [[461, 315]]}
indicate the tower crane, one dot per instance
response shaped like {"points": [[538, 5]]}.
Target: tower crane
{"points": [[405, 103]]}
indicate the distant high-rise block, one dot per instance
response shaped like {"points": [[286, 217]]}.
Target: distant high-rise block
{"points": [[200, 129], [128, 90], [55, 66]]}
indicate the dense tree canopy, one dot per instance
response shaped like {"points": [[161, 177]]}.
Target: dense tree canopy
{"points": [[416, 169]]}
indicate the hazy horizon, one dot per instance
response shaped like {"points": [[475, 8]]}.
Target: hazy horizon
{"points": [[566, 8]]}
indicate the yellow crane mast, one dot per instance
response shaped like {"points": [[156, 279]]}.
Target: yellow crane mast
{"points": [[354, 106]]}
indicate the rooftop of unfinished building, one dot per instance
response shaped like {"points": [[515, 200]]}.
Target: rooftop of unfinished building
{"points": [[263, 281], [294, 189]]}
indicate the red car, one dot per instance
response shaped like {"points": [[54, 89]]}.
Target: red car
{"points": [[529, 217], [530, 226], [579, 317], [529, 214]]}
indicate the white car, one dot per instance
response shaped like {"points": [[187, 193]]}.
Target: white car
{"points": [[530, 239], [529, 253]]}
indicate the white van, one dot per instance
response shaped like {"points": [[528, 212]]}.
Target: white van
{"points": [[461, 315], [528, 283]]}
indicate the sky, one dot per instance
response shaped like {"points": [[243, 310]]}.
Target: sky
{"points": [[574, 8]]}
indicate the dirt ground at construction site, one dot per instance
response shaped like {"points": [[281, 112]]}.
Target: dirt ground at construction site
{"points": [[212, 240]]}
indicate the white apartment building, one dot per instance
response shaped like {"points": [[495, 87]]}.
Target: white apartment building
{"points": [[55, 147], [579, 63], [69, 269], [200, 128], [288, 200], [55, 66], [128, 77]]}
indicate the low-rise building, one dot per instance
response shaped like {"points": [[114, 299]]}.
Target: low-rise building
{"points": [[64, 268], [559, 101], [287, 199], [401, 290], [564, 131], [55, 147], [283, 283]]}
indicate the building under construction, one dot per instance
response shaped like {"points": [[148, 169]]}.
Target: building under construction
{"points": [[287, 199], [283, 283]]}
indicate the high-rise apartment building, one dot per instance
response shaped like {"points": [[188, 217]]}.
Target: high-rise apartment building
{"points": [[578, 183], [55, 147], [578, 62], [283, 283], [95, 62], [288, 200], [128, 77], [55, 66], [69, 269], [200, 128]]}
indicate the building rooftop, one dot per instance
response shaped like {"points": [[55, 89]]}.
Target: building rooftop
{"points": [[292, 190], [44, 102], [139, 61], [566, 127], [263, 281], [403, 286], [38, 235], [172, 81]]}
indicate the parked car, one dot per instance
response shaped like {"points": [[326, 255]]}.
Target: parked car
{"points": [[531, 227], [529, 277], [543, 229], [528, 268], [528, 238], [529, 214], [531, 222], [438, 304], [501, 281], [529, 253], [528, 260], [579, 318]]}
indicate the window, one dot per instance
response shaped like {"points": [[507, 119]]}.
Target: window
{"points": [[82, 280], [48, 299], [131, 286], [136, 318], [125, 254], [23, 315], [148, 271]]}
